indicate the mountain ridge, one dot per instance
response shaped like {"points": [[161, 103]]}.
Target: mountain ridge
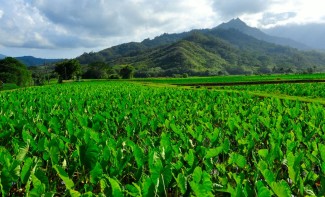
{"points": [[206, 52], [33, 61], [260, 35]]}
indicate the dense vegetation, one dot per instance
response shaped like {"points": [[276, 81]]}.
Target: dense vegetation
{"points": [[233, 78], [310, 90], [118, 138], [216, 51], [14, 72], [68, 69]]}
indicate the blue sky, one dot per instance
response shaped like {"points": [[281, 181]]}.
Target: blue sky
{"points": [[68, 28]]}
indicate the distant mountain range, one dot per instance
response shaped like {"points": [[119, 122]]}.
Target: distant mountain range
{"points": [[308, 34], [230, 48], [33, 61], [258, 34]]}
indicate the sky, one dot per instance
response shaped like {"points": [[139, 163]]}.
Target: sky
{"points": [[68, 28]]}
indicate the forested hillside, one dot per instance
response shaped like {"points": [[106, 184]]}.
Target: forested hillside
{"points": [[207, 52]]}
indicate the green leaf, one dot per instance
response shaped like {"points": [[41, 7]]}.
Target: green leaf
{"points": [[323, 167], [89, 154], [138, 155], [166, 175], [5, 181], [262, 191], [298, 132], [190, 158], [181, 182], [237, 159], [70, 127], [226, 145], [38, 187], [64, 176], [49, 194], [26, 170], [294, 166], [42, 177], [43, 129], [197, 174], [116, 189], [133, 190], [278, 122], [148, 188], [22, 152], [281, 189], [88, 194], [55, 124], [321, 148], [96, 174], [74, 193], [268, 176], [42, 144], [263, 153], [201, 188], [213, 152], [291, 170], [54, 151], [206, 182], [262, 165]]}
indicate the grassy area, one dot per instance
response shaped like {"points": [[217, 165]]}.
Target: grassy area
{"points": [[310, 90], [304, 92], [9, 86], [236, 78]]}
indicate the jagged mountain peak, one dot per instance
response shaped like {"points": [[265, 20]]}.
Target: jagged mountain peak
{"points": [[241, 26], [236, 22]]}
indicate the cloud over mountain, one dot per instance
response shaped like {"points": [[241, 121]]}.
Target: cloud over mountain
{"points": [[92, 24], [234, 8]]}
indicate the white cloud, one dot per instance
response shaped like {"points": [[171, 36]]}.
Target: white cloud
{"points": [[20, 24], [272, 18], [123, 17], [300, 12], [234, 8], [94, 24]]}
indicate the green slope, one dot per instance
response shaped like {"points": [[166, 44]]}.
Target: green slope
{"points": [[207, 52], [181, 57]]}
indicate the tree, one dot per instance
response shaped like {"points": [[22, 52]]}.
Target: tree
{"points": [[68, 69], [127, 72], [13, 71], [97, 70]]}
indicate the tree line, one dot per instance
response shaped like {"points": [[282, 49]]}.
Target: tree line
{"points": [[12, 71]]}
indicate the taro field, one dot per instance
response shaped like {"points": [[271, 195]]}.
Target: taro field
{"points": [[124, 139]]}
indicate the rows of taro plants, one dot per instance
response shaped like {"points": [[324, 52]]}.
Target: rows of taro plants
{"points": [[123, 139]]}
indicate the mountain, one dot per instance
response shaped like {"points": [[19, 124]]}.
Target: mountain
{"points": [[207, 52], [258, 34], [33, 61], [308, 34], [2, 56]]}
